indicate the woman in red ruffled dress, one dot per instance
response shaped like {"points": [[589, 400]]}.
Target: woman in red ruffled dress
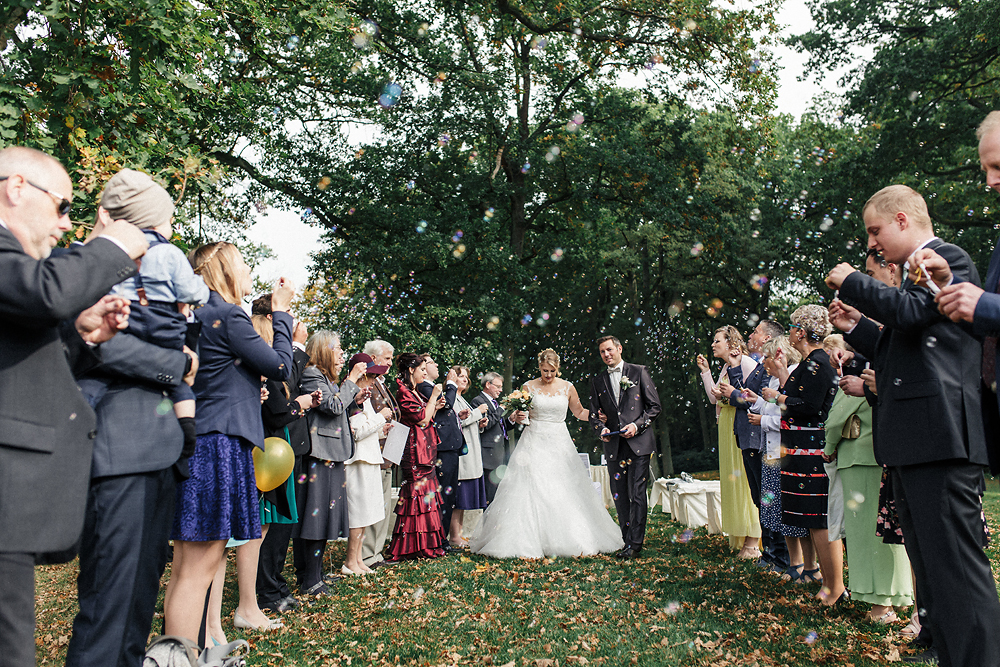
{"points": [[418, 532]]}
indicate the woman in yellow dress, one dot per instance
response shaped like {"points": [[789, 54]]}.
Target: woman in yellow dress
{"points": [[740, 519]]}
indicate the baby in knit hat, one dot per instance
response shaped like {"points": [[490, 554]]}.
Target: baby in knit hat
{"points": [[165, 285]]}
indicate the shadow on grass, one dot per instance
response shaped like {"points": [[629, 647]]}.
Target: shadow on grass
{"points": [[686, 602]]}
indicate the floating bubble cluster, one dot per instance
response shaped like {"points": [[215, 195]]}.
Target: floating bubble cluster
{"points": [[390, 95]]}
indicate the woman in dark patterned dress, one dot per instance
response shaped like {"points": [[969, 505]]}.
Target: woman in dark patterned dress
{"points": [[807, 396], [418, 532]]}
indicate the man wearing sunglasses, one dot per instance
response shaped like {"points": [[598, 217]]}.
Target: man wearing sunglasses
{"points": [[53, 313]]}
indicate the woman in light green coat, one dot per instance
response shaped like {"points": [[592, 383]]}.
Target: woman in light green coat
{"points": [[878, 573]]}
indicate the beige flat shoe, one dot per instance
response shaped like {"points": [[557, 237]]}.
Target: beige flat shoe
{"points": [[244, 624]]}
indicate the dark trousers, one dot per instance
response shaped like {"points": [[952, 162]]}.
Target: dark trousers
{"points": [[122, 557], [491, 484], [308, 559], [940, 513], [447, 474], [628, 487], [772, 543], [271, 584], [17, 610]]}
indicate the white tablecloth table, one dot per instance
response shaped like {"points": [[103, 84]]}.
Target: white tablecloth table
{"points": [[694, 504], [599, 476]]}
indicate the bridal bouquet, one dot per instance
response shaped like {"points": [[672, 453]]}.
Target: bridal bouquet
{"points": [[516, 400]]}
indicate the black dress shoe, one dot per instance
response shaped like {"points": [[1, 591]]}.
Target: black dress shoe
{"points": [[316, 590], [928, 657], [291, 601], [628, 553], [279, 606], [448, 549], [383, 563]]}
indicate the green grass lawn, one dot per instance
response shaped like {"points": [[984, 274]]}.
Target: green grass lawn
{"points": [[687, 602]]}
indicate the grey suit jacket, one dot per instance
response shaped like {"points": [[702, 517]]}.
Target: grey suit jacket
{"points": [[329, 424], [492, 438], [46, 426]]}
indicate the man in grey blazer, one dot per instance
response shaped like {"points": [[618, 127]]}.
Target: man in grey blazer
{"points": [[46, 425]]}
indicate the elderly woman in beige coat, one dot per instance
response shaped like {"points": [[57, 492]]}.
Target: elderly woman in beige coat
{"points": [[471, 493]]}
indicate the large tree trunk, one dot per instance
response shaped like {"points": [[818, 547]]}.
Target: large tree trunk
{"points": [[508, 368], [665, 451]]}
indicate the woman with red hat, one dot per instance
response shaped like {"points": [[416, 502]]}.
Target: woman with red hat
{"points": [[365, 506]]}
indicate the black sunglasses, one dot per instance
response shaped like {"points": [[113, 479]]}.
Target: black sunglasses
{"points": [[64, 204]]}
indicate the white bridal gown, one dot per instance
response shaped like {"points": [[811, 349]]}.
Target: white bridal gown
{"points": [[546, 504]]}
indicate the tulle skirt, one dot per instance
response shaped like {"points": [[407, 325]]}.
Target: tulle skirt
{"points": [[546, 504]]}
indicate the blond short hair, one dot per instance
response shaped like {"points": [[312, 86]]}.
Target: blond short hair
{"points": [[990, 124], [814, 322], [549, 356], [771, 347], [216, 263], [894, 199], [834, 341]]}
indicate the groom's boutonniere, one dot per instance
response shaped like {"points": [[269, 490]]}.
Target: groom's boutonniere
{"points": [[625, 383]]}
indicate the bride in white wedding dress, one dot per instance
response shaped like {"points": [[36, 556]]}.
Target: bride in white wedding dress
{"points": [[546, 504]]}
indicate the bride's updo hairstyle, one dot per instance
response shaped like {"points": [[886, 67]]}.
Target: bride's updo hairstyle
{"points": [[549, 356], [406, 363]]}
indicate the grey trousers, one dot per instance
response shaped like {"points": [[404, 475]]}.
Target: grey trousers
{"points": [[375, 536]]}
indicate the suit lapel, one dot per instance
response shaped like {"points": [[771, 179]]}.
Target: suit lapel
{"points": [[606, 376], [621, 390]]}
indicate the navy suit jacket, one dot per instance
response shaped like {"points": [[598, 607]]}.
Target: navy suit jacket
{"points": [[749, 436], [986, 322], [927, 369], [445, 419], [134, 433], [46, 425], [232, 359]]}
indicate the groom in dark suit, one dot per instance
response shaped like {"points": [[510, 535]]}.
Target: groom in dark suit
{"points": [[625, 393]]}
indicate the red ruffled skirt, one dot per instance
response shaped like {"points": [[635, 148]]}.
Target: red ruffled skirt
{"points": [[418, 532]]}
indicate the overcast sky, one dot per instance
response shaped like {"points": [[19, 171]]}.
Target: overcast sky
{"points": [[292, 240]]}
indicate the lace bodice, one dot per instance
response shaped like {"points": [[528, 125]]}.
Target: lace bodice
{"points": [[550, 407]]}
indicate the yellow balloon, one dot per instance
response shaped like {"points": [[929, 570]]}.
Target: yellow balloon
{"points": [[273, 465]]}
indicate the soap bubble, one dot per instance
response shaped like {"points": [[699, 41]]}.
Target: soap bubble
{"points": [[391, 93]]}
